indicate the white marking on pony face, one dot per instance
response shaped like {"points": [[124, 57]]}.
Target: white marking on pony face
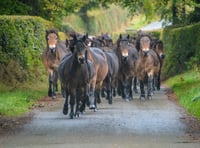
{"points": [[52, 46], [125, 53], [89, 44], [145, 49]]}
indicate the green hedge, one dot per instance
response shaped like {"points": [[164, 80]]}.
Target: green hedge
{"points": [[182, 48], [22, 39]]}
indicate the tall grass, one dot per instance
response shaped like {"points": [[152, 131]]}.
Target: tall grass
{"points": [[187, 87], [98, 20]]}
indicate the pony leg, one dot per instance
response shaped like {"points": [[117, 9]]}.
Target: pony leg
{"points": [[50, 86], [78, 96], [135, 85], [150, 87], [92, 98], [72, 102], [56, 81], [142, 92], [103, 92], [55, 78], [158, 80], [65, 108], [97, 96], [109, 90]]}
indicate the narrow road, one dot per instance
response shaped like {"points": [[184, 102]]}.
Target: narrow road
{"points": [[135, 124]]}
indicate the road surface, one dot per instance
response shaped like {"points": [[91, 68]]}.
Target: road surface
{"points": [[136, 124]]}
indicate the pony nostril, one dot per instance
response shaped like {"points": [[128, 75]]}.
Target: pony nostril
{"points": [[162, 56], [81, 60], [145, 53], [125, 58], [52, 50]]}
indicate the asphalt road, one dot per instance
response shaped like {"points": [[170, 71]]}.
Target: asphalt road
{"points": [[135, 124]]}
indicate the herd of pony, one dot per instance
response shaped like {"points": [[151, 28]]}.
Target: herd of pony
{"points": [[89, 68]]}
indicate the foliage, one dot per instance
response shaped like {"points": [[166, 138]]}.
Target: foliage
{"points": [[181, 48], [186, 87], [175, 11], [98, 20], [21, 40], [48, 9]]}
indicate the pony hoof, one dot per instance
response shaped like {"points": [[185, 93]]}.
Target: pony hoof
{"points": [[95, 109], [65, 112], [92, 107], [71, 115], [50, 94], [142, 97], [127, 100], [149, 97], [109, 101], [77, 115]]}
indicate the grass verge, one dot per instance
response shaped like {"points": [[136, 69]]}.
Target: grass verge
{"points": [[17, 101], [187, 88]]}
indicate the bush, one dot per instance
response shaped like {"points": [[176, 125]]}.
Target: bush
{"points": [[22, 38], [181, 48]]}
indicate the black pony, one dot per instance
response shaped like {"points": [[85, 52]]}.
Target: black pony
{"points": [[76, 73]]}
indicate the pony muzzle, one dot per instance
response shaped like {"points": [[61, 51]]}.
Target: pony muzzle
{"points": [[125, 55], [162, 56], [81, 59], [52, 48], [145, 51]]}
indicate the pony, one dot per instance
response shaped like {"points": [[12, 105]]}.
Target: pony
{"points": [[147, 67], [110, 81], [99, 59], [128, 56], [51, 56], [158, 47], [76, 73]]}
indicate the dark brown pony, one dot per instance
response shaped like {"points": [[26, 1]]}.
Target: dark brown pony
{"points": [[76, 73], [51, 57], [148, 66], [128, 56], [158, 47]]}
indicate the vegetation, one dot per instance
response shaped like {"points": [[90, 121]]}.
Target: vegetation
{"points": [[182, 49], [18, 101], [187, 87], [179, 12], [22, 39], [97, 20]]}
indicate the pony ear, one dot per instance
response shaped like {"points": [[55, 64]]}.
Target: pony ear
{"points": [[86, 35], [67, 43], [120, 36], [74, 37]]}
